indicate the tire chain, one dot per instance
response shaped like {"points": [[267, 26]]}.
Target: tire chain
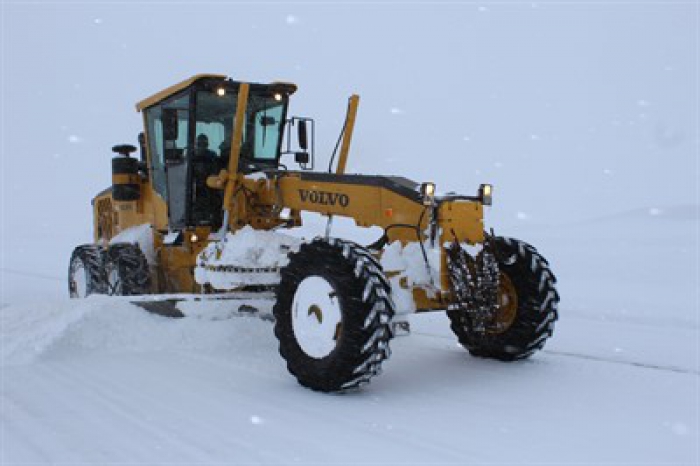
{"points": [[474, 282], [131, 262], [543, 313], [93, 257]]}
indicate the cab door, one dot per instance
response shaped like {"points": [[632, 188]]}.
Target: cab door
{"points": [[169, 140]]}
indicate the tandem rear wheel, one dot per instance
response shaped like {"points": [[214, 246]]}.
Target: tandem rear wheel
{"points": [[120, 269]]}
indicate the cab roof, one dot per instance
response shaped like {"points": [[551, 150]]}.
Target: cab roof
{"points": [[288, 88]]}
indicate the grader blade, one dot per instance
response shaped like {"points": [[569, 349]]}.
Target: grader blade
{"points": [[208, 307]]}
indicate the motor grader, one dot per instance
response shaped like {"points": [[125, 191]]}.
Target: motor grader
{"points": [[207, 207]]}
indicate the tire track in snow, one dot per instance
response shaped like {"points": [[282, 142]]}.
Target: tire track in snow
{"points": [[590, 357], [643, 365]]}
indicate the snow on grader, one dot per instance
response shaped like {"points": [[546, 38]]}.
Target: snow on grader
{"points": [[206, 207]]}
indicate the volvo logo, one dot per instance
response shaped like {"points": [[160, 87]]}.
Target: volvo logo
{"points": [[324, 198]]}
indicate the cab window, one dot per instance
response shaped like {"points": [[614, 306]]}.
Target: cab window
{"points": [[168, 137], [214, 120], [268, 122]]}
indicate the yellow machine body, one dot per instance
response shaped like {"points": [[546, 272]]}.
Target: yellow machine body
{"points": [[277, 200]]}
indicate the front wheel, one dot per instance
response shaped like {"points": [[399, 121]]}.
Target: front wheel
{"points": [[332, 315], [527, 306]]}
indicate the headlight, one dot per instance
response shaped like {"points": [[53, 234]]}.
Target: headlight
{"points": [[427, 192], [486, 194]]}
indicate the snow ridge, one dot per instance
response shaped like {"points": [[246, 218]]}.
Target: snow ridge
{"points": [[72, 328]]}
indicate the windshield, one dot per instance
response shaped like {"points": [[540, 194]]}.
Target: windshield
{"points": [[214, 120], [262, 130]]}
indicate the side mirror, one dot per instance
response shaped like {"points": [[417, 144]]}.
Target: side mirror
{"points": [[302, 158], [170, 124], [302, 135], [304, 151]]}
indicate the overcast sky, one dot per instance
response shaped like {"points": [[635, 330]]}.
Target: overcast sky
{"points": [[572, 109]]}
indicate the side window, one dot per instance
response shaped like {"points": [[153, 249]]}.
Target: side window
{"points": [[154, 125]]}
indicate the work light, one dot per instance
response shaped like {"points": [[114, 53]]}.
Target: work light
{"points": [[427, 191], [485, 193]]}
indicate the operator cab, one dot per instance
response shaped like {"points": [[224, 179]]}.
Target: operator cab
{"points": [[189, 133]]}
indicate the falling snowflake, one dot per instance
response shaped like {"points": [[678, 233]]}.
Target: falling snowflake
{"points": [[522, 216], [396, 111], [291, 19], [680, 429], [257, 420], [73, 139]]}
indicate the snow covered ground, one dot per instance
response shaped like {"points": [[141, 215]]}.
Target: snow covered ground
{"points": [[118, 385], [584, 116], [102, 381]]}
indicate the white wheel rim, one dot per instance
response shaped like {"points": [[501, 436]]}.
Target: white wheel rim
{"points": [[114, 283], [316, 316], [79, 279]]}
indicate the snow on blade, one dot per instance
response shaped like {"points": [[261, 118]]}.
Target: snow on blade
{"points": [[246, 257]]}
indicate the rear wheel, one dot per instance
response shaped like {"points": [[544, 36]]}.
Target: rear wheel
{"points": [[85, 272], [527, 306], [332, 315], [126, 270]]}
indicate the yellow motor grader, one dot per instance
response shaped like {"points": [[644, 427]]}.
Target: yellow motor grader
{"points": [[207, 207]]}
